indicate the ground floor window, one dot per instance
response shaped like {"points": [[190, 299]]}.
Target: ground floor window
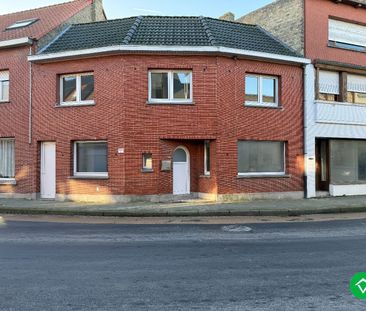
{"points": [[207, 158], [147, 162], [347, 161], [7, 158], [261, 158], [91, 158]]}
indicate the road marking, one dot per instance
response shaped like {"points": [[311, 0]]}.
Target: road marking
{"points": [[236, 228]]}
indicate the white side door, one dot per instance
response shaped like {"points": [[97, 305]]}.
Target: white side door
{"points": [[181, 178], [48, 170]]}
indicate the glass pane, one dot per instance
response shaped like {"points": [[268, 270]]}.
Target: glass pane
{"points": [[182, 85], [4, 85], [251, 89], [343, 161], [207, 157], [92, 157], [269, 90], [147, 161], [69, 89], [7, 158], [362, 161], [260, 157], [159, 85], [360, 98], [180, 155], [87, 87]]}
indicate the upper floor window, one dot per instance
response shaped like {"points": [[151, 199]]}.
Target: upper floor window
{"points": [[261, 91], [347, 35], [4, 86], [77, 89], [328, 85], [21, 24], [356, 89], [170, 86]]}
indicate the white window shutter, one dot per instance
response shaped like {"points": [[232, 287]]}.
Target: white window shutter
{"points": [[356, 83], [347, 33], [328, 82]]}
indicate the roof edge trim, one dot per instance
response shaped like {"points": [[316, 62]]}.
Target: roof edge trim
{"points": [[15, 42], [166, 49]]}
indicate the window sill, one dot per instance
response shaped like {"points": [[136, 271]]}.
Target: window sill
{"points": [[205, 176], [75, 105], [4, 102], [89, 177], [147, 171], [259, 105], [263, 176], [347, 49], [8, 181], [172, 103]]}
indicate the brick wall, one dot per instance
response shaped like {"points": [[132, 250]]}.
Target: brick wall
{"points": [[123, 117], [14, 116], [317, 15], [284, 19]]}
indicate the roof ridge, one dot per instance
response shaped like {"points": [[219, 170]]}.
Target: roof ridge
{"points": [[132, 30], [42, 7], [210, 36]]}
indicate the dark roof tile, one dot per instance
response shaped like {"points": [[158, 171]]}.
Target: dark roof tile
{"points": [[168, 31]]}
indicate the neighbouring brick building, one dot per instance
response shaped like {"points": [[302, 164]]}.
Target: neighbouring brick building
{"points": [[333, 35], [148, 107], [21, 34]]}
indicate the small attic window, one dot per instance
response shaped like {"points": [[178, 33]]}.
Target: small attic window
{"points": [[21, 24]]}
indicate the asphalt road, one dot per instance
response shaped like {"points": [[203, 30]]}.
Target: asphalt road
{"points": [[285, 266]]}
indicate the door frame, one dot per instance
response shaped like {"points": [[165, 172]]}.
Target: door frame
{"points": [[320, 184], [188, 167], [42, 157]]}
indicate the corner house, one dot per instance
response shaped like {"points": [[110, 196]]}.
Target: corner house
{"points": [[156, 107]]}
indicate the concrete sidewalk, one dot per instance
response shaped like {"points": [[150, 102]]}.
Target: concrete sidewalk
{"points": [[188, 208]]}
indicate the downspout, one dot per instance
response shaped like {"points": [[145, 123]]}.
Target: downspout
{"points": [[305, 133], [30, 100]]}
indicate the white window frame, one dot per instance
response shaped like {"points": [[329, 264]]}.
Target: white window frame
{"points": [[171, 98], [144, 168], [205, 156], [264, 174], [78, 101], [260, 102], [9, 179], [88, 174], [1, 89]]}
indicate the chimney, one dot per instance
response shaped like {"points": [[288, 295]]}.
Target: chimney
{"points": [[228, 17]]}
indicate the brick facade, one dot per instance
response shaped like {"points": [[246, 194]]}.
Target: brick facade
{"points": [[123, 118], [14, 115]]}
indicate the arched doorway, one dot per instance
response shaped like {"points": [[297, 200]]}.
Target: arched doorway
{"points": [[181, 171]]}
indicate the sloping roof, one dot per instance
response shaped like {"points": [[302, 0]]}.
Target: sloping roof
{"points": [[168, 31], [48, 18]]}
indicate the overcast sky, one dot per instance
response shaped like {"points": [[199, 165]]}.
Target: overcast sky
{"points": [[124, 8]]}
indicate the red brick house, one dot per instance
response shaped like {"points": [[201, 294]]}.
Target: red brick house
{"points": [[150, 107], [22, 34], [332, 33]]}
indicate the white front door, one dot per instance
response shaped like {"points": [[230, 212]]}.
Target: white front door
{"points": [[48, 170], [181, 179]]}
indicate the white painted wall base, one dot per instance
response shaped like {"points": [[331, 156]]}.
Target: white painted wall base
{"points": [[341, 190], [27, 196], [237, 197]]}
